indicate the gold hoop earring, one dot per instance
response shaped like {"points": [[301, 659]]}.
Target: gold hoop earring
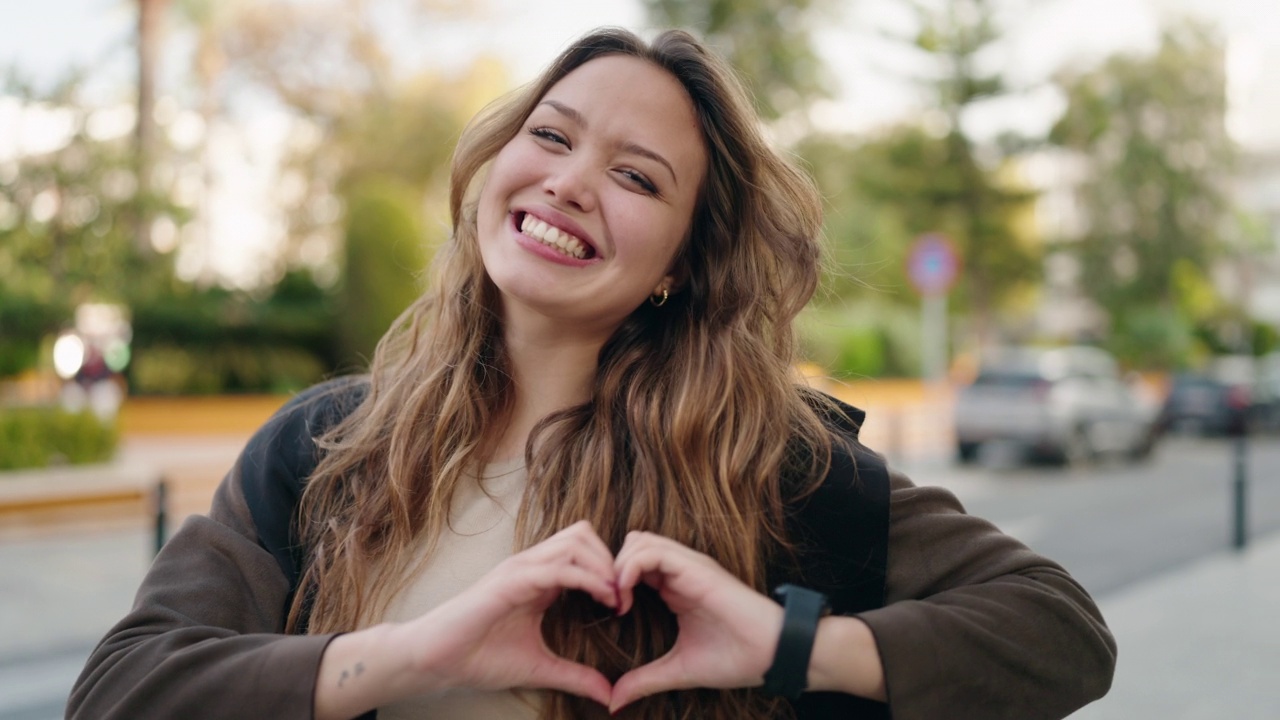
{"points": [[658, 303]]}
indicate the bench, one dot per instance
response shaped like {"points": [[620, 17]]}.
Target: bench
{"points": [[50, 495]]}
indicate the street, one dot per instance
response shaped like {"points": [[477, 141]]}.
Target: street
{"points": [[1115, 523], [1111, 525]]}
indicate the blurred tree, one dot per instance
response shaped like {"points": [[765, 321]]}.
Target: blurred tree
{"points": [[384, 244], [881, 193], [68, 211], [768, 41], [66, 207], [368, 142], [969, 202], [1151, 130]]}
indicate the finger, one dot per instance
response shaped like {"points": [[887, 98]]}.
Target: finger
{"points": [[560, 674], [658, 676], [635, 542], [571, 577], [650, 564], [578, 542]]}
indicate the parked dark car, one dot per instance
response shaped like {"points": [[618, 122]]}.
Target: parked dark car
{"points": [[1207, 405]]}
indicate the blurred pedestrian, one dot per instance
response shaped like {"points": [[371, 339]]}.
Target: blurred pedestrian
{"points": [[581, 462]]}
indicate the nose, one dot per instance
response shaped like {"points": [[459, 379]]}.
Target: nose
{"points": [[570, 181]]}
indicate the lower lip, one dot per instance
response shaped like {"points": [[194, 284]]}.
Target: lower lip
{"points": [[547, 252]]}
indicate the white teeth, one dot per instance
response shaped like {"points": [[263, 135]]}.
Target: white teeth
{"points": [[553, 237]]}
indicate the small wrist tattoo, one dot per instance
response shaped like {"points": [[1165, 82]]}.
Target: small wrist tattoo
{"points": [[354, 672]]}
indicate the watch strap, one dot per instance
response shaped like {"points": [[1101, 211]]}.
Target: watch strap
{"points": [[802, 609]]}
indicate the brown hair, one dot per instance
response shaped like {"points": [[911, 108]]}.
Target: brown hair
{"points": [[693, 421]]}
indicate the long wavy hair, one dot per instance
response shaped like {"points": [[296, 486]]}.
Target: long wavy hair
{"points": [[695, 428]]}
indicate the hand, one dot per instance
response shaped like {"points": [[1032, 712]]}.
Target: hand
{"points": [[489, 637], [728, 632]]}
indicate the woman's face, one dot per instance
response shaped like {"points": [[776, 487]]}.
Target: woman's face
{"points": [[583, 211]]}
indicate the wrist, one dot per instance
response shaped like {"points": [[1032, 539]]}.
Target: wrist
{"points": [[787, 676], [846, 659], [359, 671]]}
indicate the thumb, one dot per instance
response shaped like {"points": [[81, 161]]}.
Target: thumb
{"points": [[655, 677], [560, 674]]}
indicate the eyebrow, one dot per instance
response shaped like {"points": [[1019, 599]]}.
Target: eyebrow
{"points": [[629, 147]]}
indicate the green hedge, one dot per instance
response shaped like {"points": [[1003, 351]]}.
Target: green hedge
{"points": [[39, 437], [229, 368]]}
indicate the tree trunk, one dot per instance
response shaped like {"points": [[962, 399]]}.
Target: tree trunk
{"points": [[150, 44]]}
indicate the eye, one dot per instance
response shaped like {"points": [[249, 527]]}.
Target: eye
{"points": [[546, 133], [639, 180]]}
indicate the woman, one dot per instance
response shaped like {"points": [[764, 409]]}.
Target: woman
{"points": [[580, 463]]}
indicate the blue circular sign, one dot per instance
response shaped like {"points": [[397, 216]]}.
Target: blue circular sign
{"points": [[933, 264]]}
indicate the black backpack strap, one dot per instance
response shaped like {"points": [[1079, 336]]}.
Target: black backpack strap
{"points": [[841, 533]]}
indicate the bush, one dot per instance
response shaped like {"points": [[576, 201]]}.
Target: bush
{"points": [[24, 323], [171, 370], [218, 341], [39, 437], [861, 339]]}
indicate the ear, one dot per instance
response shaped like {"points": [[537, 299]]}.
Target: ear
{"points": [[676, 278]]}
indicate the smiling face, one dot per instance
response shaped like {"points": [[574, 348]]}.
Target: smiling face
{"points": [[584, 210]]}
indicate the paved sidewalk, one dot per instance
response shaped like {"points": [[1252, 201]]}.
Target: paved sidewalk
{"points": [[1199, 643]]}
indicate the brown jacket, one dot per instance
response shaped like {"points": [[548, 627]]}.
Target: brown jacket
{"points": [[973, 623]]}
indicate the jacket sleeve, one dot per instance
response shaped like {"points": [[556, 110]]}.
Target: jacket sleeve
{"points": [[204, 639], [976, 625]]}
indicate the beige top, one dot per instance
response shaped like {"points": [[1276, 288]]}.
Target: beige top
{"points": [[482, 534]]}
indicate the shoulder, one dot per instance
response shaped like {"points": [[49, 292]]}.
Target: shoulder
{"points": [[290, 434], [282, 455]]}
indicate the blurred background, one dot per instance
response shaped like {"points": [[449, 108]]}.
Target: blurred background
{"points": [[1054, 277]]}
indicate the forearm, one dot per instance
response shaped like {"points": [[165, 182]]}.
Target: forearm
{"points": [[845, 659], [362, 670], [974, 619]]}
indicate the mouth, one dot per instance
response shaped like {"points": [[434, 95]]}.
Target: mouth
{"points": [[557, 239]]}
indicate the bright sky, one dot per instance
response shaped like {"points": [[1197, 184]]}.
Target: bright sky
{"points": [[45, 38]]}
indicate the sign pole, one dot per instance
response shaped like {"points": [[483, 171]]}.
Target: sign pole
{"points": [[933, 340], [932, 266]]}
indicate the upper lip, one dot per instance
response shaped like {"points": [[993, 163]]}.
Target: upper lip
{"points": [[562, 222]]}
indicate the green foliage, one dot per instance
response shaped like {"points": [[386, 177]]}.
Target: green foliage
{"points": [[68, 215], [963, 198], [863, 338], [173, 370], [769, 42], [1153, 338], [24, 325], [888, 190], [215, 340], [39, 437], [385, 256], [1151, 130], [954, 34]]}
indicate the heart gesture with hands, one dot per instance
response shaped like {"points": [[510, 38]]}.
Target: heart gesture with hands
{"points": [[489, 637]]}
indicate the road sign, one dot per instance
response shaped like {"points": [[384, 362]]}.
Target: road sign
{"points": [[933, 264]]}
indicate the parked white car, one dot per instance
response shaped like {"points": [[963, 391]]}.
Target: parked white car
{"points": [[1066, 404]]}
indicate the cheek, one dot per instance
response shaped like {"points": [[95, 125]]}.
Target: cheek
{"points": [[503, 176]]}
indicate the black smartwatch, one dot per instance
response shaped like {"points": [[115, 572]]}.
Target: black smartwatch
{"points": [[802, 608]]}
